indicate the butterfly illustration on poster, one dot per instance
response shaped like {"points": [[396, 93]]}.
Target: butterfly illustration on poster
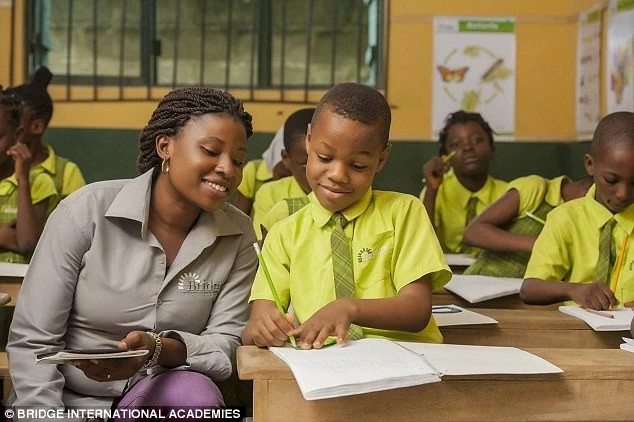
{"points": [[474, 61]]}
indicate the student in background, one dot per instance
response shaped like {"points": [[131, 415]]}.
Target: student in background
{"points": [[260, 171], [290, 190], [26, 197], [506, 231], [454, 198], [586, 242], [354, 262], [38, 111], [160, 263]]}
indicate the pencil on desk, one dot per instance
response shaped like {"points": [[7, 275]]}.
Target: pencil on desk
{"points": [[276, 298], [601, 313], [536, 218]]}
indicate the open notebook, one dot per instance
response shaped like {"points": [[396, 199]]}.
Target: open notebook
{"points": [[621, 320], [67, 356], [628, 346], [478, 288], [370, 365], [449, 315], [459, 260], [354, 368]]}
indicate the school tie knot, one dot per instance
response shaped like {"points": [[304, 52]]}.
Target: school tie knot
{"points": [[340, 220]]}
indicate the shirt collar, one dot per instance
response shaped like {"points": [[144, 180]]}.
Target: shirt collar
{"points": [[49, 163], [133, 203], [321, 215], [463, 194], [601, 215]]}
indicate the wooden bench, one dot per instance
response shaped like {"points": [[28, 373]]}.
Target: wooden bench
{"points": [[595, 386], [538, 329]]}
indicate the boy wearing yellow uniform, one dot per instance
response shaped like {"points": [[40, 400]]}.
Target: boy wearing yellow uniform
{"points": [[454, 198], [585, 241], [354, 262], [290, 190], [506, 231]]}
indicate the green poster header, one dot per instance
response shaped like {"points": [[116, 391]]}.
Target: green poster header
{"points": [[487, 26], [623, 5]]}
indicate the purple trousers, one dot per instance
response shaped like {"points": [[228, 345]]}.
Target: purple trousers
{"points": [[171, 390]]}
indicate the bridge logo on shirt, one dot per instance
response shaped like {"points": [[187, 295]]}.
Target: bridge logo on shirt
{"points": [[367, 254], [191, 283]]}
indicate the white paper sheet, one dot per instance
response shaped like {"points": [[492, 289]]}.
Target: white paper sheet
{"points": [[453, 359], [478, 288], [9, 269], [459, 260], [621, 321], [464, 317]]}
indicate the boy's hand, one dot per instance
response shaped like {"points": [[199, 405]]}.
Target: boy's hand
{"points": [[272, 328], [333, 319], [22, 157], [107, 370], [433, 172], [595, 296]]}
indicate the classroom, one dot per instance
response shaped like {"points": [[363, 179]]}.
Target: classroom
{"points": [[172, 168]]}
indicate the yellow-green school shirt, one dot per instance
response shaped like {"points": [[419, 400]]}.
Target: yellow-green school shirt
{"points": [[534, 189], [278, 213], [450, 213], [65, 174], [254, 174], [42, 188], [568, 246], [269, 195], [392, 244]]}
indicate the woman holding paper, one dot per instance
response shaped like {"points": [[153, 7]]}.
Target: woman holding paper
{"points": [[158, 263]]}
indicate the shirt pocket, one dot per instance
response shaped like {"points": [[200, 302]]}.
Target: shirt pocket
{"points": [[372, 261]]}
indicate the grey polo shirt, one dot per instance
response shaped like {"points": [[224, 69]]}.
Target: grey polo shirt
{"points": [[98, 273]]}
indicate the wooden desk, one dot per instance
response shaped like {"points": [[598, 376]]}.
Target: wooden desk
{"points": [[522, 328], [595, 386], [11, 288], [443, 296]]}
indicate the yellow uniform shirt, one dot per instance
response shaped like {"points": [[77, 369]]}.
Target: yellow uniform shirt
{"points": [[269, 195], [450, 214], [71, 177], [568, 246], [278, 213], [392, 244], [535, 189], [254, 174]]}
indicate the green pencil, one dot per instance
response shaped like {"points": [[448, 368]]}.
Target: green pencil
{"points": [[536, 218], [278, 302], [448, 157]]}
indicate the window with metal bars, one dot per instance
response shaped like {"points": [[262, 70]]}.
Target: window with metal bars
{"points": [[274, 45]]}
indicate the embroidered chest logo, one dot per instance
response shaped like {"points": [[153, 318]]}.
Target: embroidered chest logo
{"points": [[366, 254], [631, 266], [190, 283]]}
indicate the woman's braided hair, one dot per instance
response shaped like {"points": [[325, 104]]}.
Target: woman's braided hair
{"points": [[176, 109]]}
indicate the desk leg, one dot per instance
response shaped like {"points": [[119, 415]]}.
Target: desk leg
{"points": [[260, 400]]}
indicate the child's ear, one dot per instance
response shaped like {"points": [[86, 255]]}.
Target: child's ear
{"points": [[588, 163], [286, 159], [38, 127], [383, 156], [308, 134]]}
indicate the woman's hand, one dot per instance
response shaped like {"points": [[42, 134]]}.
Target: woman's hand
{"points": [[106, 370]]}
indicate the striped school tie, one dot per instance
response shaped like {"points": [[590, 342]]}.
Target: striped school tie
{"points": [[471, 210], [342, 268], [607, 253]]}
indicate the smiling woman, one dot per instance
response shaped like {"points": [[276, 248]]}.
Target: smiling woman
{"points": [[183, 297]]}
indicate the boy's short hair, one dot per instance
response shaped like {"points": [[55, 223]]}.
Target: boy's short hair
{"points": [[614, 129], [296, 126], [35, 96], [462, 117], [357, 102]]}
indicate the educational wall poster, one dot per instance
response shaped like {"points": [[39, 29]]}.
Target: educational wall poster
{"points": [[588, 98], [620, 60], [474, 70]]}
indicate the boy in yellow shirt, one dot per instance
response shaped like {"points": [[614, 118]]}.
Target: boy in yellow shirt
{"points": [[354, 262], [453, 199], [585, 241], [38, 111], [291, 190], [506, 231]]}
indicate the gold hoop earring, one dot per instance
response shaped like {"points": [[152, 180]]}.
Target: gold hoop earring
{"points": [[165, 165]]}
